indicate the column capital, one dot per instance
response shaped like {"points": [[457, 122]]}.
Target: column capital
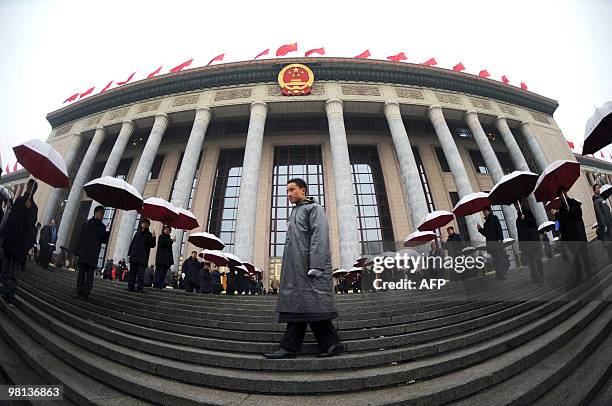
{"points": [[99, 135], [525, 124], [333, 107], [392, 110], [161, 120], [259, 108], [435, 112], [203, 113]]}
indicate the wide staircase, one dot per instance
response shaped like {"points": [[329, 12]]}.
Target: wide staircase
{"points": [[476, 342]]}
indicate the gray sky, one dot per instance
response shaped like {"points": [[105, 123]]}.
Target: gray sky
{"points": [[52, 49]]}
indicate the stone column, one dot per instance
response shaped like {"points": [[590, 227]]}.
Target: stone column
{"points": [[74, 198], [55, 194], [346, 211], [139, 182], [112, 163], [244, 237], [520, 164], [184, 180], [416, 203], [533, 146], [455, 163], [590, 178], [495, 169]]}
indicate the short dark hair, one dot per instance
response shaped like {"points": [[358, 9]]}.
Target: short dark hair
{"points": [[194, 252], [450, 228], [145, 220], [167, 226], [33, 185], [487, 208], [301, 183], [99, 208], [595, 185]]}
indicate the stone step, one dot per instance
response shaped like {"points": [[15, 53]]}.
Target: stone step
{"points": [[603, 397]]}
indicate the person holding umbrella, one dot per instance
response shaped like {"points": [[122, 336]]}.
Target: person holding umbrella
{"points": [[17, 239], [163, 258], [139, 251], [573, 234], [306, 293], [93, 235], [529, 241], [493, 234], [604, 219]]}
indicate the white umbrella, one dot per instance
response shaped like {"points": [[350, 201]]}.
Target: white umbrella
{"points": [[546, 226], [598, 130], [114, 192], [43, 162], [207, 240]]}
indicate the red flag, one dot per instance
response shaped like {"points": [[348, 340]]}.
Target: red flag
{"points": [[523, 86], [365, 54], [15, 166], [320, 51], [217, 58], [285, 49], [570, 144], [398, 57], [71, 98], [7, 170], [87, 92], [459, 67], [155, 72], [262, 53], [106, 87], [505, 79], [430, 62], [127, 80], [178, 68], [484, 73]]}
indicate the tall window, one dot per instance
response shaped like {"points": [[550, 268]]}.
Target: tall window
{"points": [[156, 167], [424, 182], [505, 161], [295, 161], [371, 196], [463, 229], [224, 203], [442, 159], [478, 161]]}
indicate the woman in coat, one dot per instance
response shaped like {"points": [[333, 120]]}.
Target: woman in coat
{"points": [[140, 249], [164, 258], [306, 295]]}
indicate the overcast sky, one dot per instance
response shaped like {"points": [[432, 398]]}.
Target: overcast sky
{"points": [[52, 49]]}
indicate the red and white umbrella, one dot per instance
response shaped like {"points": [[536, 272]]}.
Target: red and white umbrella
{"points": [[214, 256], [241, 268], [546, 226], [339, 272], [513, 187], [435, 219], [419, 238], [594, 226], [160, 210], [364, 260], [186, 220], [356, 269], [233, 259], [605, 191], [114, 192], [553, 204], [561, 173], [598, 131], [472, 203], [508, 241], [43, 162], [249, 266], [207, 241]]}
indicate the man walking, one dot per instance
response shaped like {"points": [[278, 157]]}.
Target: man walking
{"points": [[573, 233], [604, 220], [529, 241], [48, 237], [93, 235], [494, 235], [306, 294], [163, 258], [191, 270], [140, 249]]}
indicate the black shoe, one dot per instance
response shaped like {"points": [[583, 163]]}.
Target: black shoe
{"points": [[84, 298], [333, 350], [76, 296], [281, 353], [130, 290]]}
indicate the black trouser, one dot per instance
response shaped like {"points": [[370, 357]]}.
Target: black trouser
{"points": [[533, 259], [580, 252], [84, 279], [500, 263], [136, 275], [160, 275], [324, 332], [10, 266], [190, 286]]}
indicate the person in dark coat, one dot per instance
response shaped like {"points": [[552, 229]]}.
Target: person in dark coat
{"points": [[529, 241], [306, 294], [604, 220], [7, 212], [17, 239], [206, 281], [93, 235], [241, 282], [164, 258], [215, 278], [453, 246], [140, 249], [48, 237], [573, 233], [149, 276], [108, 269], [230, 282], [494, 235], [191, 270]]}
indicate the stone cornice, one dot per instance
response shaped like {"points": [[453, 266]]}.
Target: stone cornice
{"points": [[324, 69]]}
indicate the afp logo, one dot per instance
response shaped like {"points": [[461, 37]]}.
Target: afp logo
{"points": [[295, 80]]}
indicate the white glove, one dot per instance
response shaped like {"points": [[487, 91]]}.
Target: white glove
{"points": [[315, 272]]}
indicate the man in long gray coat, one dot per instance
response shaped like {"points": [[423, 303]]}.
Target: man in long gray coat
{"points": [[306, 294]]}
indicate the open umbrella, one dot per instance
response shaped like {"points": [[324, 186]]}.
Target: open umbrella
{"points": [[356, 269], [508, 241], [249, 266], [513, 187], [546, 226], [114, 192], [468, 250], [207, 241], [594, 226], [471, 203], [553, 204], [185, 221], [419, 238], [4, 194], [160, 210], [241, 268], [233, 259], [339, 272], [364, 260], [561, 173], [598, 131], [435, 219], [43, 162], [214, 256], [605, 191]]}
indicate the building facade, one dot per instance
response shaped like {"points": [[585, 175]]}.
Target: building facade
{"points": [[380, 144]]}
